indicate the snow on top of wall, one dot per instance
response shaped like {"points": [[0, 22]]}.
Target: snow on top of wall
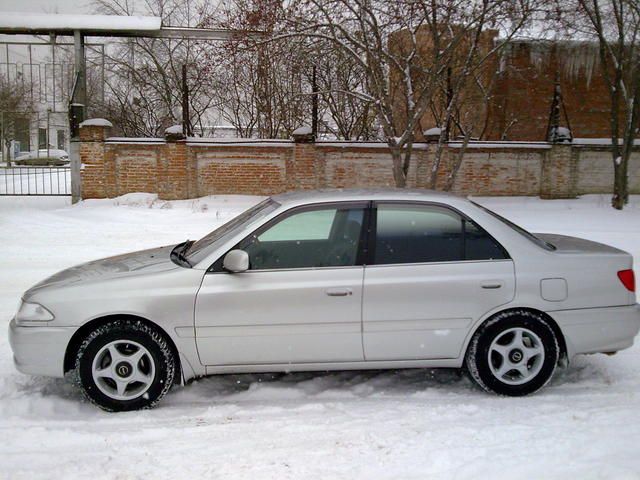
{"points": [[133, 140], [599, 141], [534, 145], [238, 142], [96, 122], [348, 144], [43, 21]]}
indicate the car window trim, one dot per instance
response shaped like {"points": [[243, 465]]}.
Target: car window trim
{"points": [[216, 267], [464, 216]]}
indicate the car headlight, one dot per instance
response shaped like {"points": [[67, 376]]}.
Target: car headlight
{"points": [[32, 312]]}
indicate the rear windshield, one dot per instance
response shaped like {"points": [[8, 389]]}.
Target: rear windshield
{"points": [[530, 236]]}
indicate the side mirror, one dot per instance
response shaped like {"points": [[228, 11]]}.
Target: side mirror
{"points": [[236, 261]]}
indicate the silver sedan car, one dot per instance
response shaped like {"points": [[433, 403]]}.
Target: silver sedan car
{"points": [[332, 280]]}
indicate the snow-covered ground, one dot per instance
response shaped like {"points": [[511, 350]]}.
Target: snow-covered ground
{"points": [[408, 424]]}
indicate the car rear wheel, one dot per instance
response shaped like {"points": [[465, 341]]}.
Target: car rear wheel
{"points": [[124, 365], [513, 354]]}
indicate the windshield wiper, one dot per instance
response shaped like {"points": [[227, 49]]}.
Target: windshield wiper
{"points": [[180, 252]]}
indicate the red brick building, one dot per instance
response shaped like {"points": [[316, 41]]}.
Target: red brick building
{"points": [[520, 84], [521, 101]]}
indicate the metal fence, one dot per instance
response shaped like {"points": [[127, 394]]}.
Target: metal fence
{"points": [[19, 180]]}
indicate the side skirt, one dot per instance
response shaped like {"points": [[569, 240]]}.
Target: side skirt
{"points": [[312, 367]]}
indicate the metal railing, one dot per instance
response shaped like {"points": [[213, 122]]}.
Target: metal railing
{"points": [[42, 181]]}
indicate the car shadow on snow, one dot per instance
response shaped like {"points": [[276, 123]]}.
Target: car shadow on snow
{"points": [[582, 377], [335, 385], [31, 395]]}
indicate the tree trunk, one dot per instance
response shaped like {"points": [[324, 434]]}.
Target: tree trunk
{"points": [[399, 176], [455, 168], [620, 193]]}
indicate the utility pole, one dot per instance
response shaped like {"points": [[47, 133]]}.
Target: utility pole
{"points": [[77, 114], [314, 102], [186, 122]]}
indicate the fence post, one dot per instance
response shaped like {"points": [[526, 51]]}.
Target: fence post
{"points": [[304, 174], [174, 173], [93, 176], [558, 175]]}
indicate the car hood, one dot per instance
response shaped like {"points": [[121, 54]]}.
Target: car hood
{"points": [[135, 263]]}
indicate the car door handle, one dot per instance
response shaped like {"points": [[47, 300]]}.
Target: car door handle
{"points": [[338, 292], [491, 285]]}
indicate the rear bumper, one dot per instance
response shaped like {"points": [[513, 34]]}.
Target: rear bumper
{"points": [[39, 350], [593, 330]]}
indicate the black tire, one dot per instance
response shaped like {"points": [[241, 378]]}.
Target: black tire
{"points": [[483, 362], [157, 362]]}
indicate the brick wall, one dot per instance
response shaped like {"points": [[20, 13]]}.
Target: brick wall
{"points": [[198, 167]]}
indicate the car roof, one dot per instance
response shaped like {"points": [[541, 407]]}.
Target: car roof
{"points": [[301, 197]]}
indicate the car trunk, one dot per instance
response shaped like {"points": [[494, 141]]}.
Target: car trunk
{"points": [[591, 270]]}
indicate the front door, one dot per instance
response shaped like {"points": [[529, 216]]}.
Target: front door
{"points": [[433, 273], [301, 299]]}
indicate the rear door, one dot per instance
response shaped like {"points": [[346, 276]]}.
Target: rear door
{"points": [[433, 272]]}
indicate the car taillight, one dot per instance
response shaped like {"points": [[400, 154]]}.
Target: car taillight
{"points": [[628, 279]]}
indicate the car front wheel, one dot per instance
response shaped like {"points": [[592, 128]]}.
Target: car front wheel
{"points": [[513, 354], [124, 365]]}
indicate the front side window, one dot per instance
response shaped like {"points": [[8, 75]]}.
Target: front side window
{"points": [[425, 233], [322, 237], [207, 244]]}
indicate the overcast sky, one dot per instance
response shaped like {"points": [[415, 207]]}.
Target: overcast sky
{"points": [[45, 6]]}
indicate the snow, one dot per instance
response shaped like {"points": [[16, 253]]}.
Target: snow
{"points": [[262, 141], [174, 130], [134, 140], [302, 131], [345, 144], [96, 122], [534, 145], [406, 424], [94, 23], [599, 141], [238, 142], [432, 132]]}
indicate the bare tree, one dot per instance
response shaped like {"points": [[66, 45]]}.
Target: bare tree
{"points": [[616, 26], [405, 48], [341, 84], [144, 76], [260, 82], [15, 109]]}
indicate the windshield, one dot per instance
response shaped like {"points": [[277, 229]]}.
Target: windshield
{"points": [[530, 236], [203, 247]]}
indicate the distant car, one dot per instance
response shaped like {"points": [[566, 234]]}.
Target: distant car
{"points": [[52, 157], [332, 280]]}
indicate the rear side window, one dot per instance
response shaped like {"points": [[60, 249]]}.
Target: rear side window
{"points": [[479, 245], [424, 233]]}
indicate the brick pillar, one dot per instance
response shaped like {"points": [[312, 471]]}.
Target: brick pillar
{"points": [[304, 171], [95, 181], [173, 168], [558, 176]]}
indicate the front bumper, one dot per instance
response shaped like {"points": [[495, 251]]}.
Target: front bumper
{"points": [[39, 350], [592, 330]]}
